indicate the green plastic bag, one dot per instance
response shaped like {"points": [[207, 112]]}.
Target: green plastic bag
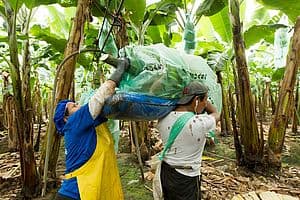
{"points": [[110, 46], [163, 72], [189, 35]]}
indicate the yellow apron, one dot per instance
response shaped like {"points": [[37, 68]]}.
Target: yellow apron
{"points": [[98, 178]]}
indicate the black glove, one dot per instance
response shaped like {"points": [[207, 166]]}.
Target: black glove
{"points": [[122, 66]]}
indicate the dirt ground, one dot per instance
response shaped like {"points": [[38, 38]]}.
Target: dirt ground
{"points": [[221, 178]]}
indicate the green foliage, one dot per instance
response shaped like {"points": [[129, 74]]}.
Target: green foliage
{"points": [[35, 3], [15, 4], [91, 34], [221, 149], [130, 174], [162, 34], [2, 10], [203, 47], [259, 16], [60, 21], [289, 7], [19, 38], [112, 5], [163, 19], [221, 24], [258, 32], [278, 74], [164, 12], [210, 7], [154, 33], [57, 42], [217, 60], [67, 3], [137, 10], [167, 39], [293, 158]]}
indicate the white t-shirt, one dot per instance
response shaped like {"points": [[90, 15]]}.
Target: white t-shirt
{"points": [[188, 147]]}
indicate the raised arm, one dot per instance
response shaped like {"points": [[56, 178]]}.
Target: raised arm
{"points": [[107, 88], [97, 100], [211, 110]]}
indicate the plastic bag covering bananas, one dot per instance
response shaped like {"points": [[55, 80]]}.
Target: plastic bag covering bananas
{"points": [[163, 72]]}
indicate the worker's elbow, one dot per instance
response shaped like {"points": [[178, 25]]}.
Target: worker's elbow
{"points": [[216, 115]]}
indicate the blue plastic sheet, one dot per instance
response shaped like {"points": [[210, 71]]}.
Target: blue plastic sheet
{"points": [[137, 107]]}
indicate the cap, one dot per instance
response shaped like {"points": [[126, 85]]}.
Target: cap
{"points": [[192, 89], [60, 114]]}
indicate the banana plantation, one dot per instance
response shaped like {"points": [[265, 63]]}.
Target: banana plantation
{"points": [[247, 52]]}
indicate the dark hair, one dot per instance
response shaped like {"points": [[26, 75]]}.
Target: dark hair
{"points": [[202, 96]]}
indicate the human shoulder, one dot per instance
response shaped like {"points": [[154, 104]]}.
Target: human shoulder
{"points": [[203, 121]]}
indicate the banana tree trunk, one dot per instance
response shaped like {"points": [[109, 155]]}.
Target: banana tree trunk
{"points": [[251, 140], [237, 142], [296, 112], [266, 99], [226, 128], [5, 95], [10, 110], [30, 178], [283, 109], [28, 112], [37, 109], [259, 98], [63, 86], [272, 100]]}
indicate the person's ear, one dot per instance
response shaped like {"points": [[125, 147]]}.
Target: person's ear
{"points": [[196, 105], [197, 102]]}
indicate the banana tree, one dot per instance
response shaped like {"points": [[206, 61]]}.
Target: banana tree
{"points": [[150, 16], [260, 26], [282, 112], [30, 179], [251, 139], [63, 84], [22, 95], [218, 61], [284, 108], [296, 117]]}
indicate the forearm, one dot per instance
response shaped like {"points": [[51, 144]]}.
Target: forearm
{"points": [[211, 110], [97, 100]]}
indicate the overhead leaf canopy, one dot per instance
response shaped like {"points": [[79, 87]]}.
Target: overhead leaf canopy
{"points": [[44, 34], [16, 4], [165, 11], [137, 10], [290, 7], [221, 23], [210, 7], [258, 32]]}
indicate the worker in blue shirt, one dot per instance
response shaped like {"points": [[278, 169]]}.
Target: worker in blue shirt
{"points": [[91, 167]]}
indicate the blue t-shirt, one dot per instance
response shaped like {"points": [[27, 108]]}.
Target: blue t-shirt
{"points": [[80, 143]]}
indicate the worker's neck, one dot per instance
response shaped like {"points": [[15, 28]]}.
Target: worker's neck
{"points": [[184, 108]]}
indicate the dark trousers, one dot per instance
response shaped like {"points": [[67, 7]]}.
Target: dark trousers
{"points": [[177, 186]]}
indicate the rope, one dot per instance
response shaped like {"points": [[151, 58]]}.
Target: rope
{"points": [[101, 30], [114, 20]]}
